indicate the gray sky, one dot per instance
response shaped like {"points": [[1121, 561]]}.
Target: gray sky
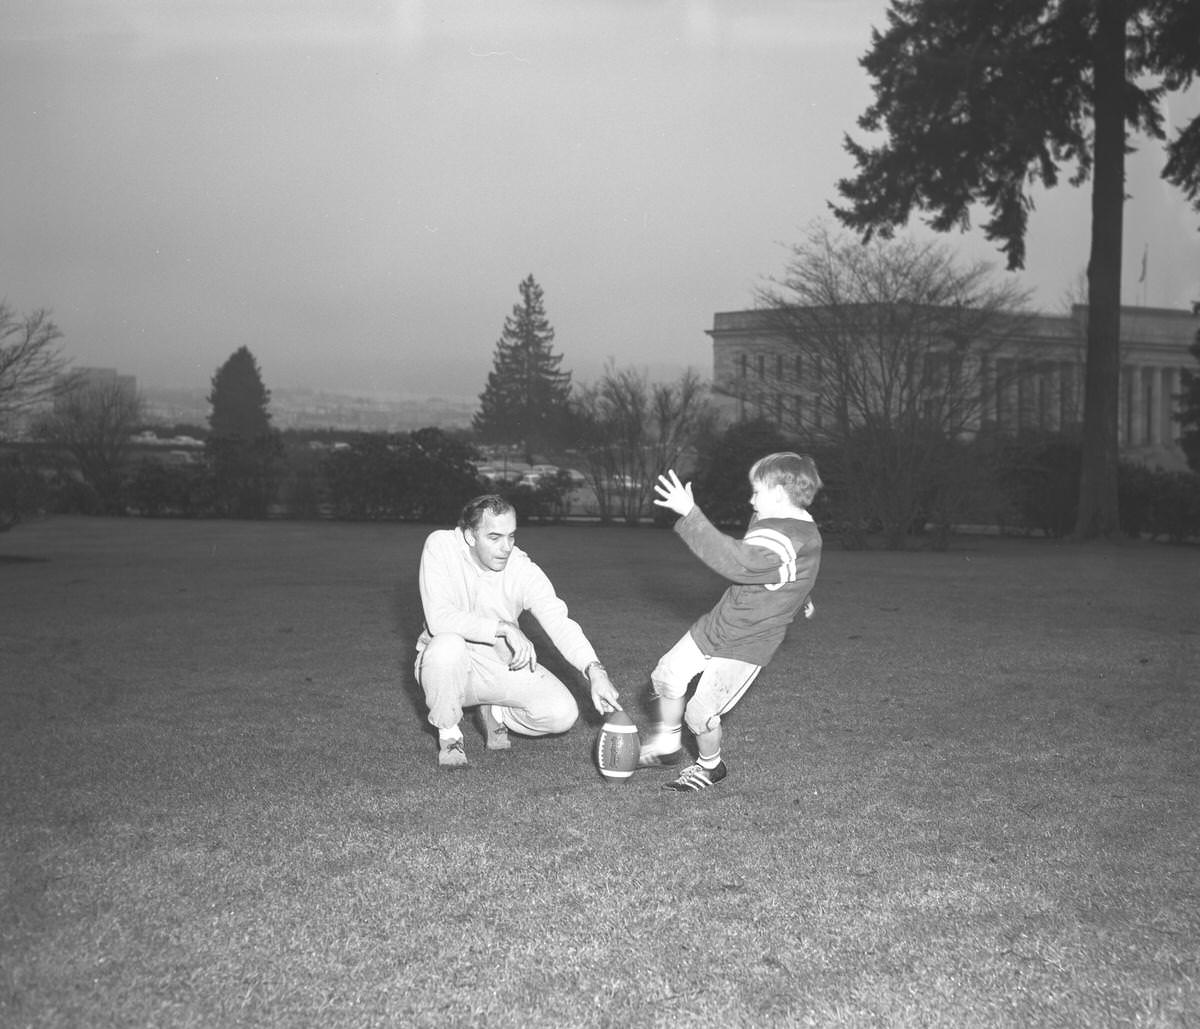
{"points": [[354, 188]]}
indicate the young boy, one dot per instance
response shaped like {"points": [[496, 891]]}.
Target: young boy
{"points": [[772, 569]]}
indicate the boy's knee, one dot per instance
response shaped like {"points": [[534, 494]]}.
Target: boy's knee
{"points": [[700, 721], [662, 685]]}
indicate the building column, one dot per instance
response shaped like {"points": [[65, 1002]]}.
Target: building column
{"points": [[1062, 398], [1153, 392], [977, 368], [1137, 404], [1052, 396], [1004, 388], [1068, 396], [1170, 386], [1024, 394], [1123, 405]]}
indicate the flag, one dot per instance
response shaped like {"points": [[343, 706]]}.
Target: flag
{"points": [[1145, 252]]}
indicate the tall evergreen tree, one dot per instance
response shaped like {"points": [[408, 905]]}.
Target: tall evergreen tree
{"points": [[526, 398], [983, 99], [243, 449], [239, 399]]}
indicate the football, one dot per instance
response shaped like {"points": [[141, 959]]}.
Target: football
{"points": [[617, 747]]}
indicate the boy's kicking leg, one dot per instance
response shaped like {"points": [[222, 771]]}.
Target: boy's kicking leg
{"points": [[668, 685], [664, 748]]}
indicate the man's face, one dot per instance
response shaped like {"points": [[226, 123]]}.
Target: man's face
{"points": [[492, 543]]}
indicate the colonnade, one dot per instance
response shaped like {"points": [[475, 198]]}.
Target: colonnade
{"points": [[1048, 395]]}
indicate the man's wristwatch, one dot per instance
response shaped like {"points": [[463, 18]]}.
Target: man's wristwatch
{"points": [[594, 664]]}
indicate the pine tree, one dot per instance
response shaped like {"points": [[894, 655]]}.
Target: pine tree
{"points": [[526, 398], [239, 399], [243, 449]]}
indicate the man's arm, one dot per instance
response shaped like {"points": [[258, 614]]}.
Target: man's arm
{"points": [[567, 635]]}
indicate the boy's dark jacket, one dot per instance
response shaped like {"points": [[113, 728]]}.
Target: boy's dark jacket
{"points": [[772, 570]]}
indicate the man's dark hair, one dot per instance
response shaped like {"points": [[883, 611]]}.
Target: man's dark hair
{"points": [[473, 512]]}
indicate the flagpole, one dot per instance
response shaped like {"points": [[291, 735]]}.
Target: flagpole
{"points": [[1142, 277]]}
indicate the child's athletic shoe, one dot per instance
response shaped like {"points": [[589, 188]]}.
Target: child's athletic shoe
{"points": [[494, 730], [452, 754], [696, 777]]}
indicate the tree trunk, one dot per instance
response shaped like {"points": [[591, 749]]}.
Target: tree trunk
{"points": [[1097, 514]]}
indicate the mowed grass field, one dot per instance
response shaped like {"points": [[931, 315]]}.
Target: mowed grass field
{"points": [[966, 794]]}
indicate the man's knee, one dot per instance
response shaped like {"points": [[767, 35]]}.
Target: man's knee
{"points": [[446, 645], [560, 715], [444, 654]]}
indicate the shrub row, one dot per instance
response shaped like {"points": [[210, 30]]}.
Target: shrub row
{"points": [[1024, 486]]}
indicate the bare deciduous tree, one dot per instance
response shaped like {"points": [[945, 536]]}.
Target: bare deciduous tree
{"points": [[887, 352], [32, 368], [631, 430], [93, 422]]}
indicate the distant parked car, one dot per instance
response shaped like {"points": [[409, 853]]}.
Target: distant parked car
{"points": [[496, 475], [534, 479], [624, 483]]}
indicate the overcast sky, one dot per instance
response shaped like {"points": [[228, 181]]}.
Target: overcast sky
{"points": [[354, 188]]}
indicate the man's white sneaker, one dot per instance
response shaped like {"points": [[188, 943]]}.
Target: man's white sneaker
{"points": [[452, 754], [494, 730]]}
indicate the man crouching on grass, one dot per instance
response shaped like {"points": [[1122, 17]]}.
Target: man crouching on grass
{"points": [[475, 582]]}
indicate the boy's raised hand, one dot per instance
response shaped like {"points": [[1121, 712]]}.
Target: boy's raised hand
{"points": [[674, 494]]}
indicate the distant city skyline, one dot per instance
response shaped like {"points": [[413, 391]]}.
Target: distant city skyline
{"points": [[305, 408]]}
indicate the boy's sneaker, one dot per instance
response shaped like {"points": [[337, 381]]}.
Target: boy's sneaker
{"points": [[696, 777], [661, 751], [452, 754], [495, 731]]}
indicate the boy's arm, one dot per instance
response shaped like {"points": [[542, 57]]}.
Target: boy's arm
{"points": [[765, 560], [769, 558]]}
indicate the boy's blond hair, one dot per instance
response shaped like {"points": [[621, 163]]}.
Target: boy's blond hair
{"points": [[796, 473]]}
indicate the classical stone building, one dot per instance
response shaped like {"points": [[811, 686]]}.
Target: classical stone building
{"points": [[1033, 380]]}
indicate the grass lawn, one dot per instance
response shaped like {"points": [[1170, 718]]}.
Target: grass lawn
{"points": [[965, 794]]}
